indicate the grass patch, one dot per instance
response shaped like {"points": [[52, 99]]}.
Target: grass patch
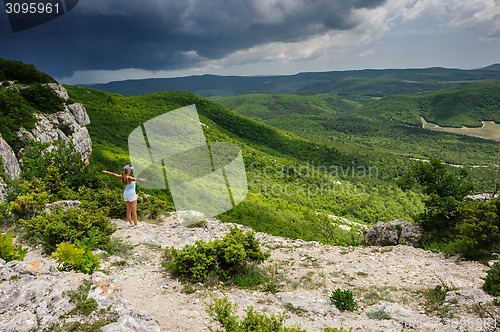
{"points": [[434, 298], [489, 130], [379, 315]]}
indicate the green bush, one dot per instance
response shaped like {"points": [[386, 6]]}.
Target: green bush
{"points": [[43, 98], [492, 282], [15, 113], [30, 204], [153, 207], [70, 226], [73, 258], [445, 191], [4, 212], [9, 251], [40, 161], [223, 312], [109, 201], [224, 257], [343, 300], [480, 227]]}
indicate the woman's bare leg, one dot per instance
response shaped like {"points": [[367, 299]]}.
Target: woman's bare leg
{"points": [[129, 213], [133, 210]]}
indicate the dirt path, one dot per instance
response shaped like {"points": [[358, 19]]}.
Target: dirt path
{"points": [[388, 279]]}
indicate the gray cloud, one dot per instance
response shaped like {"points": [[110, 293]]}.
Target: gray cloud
{"points": [[157, 34]]}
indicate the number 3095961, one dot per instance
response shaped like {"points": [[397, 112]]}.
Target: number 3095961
{"points": [[32, 8]]}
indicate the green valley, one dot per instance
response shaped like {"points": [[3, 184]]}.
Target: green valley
{"points": [[294, 183]]}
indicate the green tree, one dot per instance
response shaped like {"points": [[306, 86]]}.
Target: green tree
{"points": [[445, 191], [479, 227]]}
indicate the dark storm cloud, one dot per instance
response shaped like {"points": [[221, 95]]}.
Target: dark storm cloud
{"points": [[158, 34]]}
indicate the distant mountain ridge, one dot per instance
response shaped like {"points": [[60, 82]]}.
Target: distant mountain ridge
{"points": [[495, 67], [353, 84]]}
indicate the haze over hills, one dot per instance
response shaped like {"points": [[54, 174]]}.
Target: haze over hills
{"points": [[495, 66], [353, 84]]}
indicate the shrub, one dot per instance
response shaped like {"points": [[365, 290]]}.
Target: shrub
{"points": [[39, 161], [4, 211], [109, 201], [224, 257], [343, 300], [445, 191], [31, 199], [70, 226], [43, 98], [152, 207], [223, 312], [70, 257], [9, 251], [492, 282], [15, 113], [479, 230]]}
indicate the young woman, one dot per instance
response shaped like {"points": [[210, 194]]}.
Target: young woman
{"points": [[129, 195]]}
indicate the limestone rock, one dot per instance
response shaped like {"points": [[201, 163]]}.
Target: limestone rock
{"points": [[3, 190], [393, 233], [80, 114], [65, 205], [33, 296], [306, 303], [407, 317], [10, 163], [59, 90], [60, 126], [187, 218], [468, 296]]}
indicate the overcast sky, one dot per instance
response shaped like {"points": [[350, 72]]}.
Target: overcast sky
{"points": [[107, 40]]}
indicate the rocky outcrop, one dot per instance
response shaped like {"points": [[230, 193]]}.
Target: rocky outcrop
{"points": [[393, 233], [80, 114], [34, 296], [60, 126], [482, 197], [10, 163], [68, 126], [64, 205], [59, 90]]}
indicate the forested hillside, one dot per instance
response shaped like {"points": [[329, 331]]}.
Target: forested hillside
{"points": [[294, 183]]}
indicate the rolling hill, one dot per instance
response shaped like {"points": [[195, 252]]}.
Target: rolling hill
{"points": [[361, 85]]}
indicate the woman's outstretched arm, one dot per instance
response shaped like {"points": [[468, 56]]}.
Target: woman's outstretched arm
{"points": [[112, 174], [136, 179]]}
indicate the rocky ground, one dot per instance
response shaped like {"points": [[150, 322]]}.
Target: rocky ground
{"points": [[389, 284]]}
